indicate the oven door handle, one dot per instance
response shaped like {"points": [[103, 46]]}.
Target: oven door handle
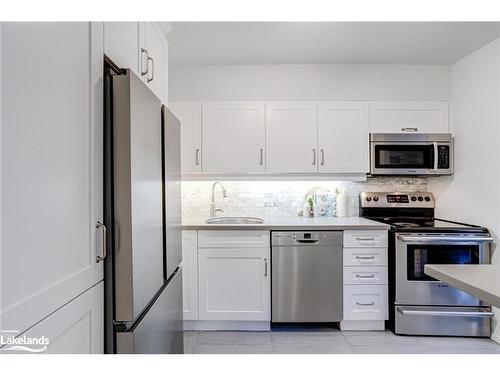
{"points": [[458, 314], [442, 239]]}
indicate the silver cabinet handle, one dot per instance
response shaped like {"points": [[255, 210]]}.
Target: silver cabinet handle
{"points": [[261, 156], [365, 238], [100, 225], [372, 276], [365, 258], [152, 69], [144, 51], [322, 157], [409, 129], [365, 304], [314, 156], [197, 156], [265, 267]]}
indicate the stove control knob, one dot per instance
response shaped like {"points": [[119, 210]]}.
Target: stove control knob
{"points": [[375, 198], [368, 199], [413, 199], [427, 199], [420, 199]]}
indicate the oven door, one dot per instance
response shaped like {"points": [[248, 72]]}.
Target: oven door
{"points": [[413, 251], [410, 158]]}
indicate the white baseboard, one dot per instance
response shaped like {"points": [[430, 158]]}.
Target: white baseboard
{"points": [[362, 325], [225, 325], [496, 337]]}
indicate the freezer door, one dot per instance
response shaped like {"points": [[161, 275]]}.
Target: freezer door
{"points": [[172, 191], [160, 331], [137, 196]]}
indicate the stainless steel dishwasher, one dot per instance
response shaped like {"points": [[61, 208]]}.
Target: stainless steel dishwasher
{"points": [[306, 277]]}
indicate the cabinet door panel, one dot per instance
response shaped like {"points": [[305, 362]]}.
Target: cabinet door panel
{"points": [[234, 284], [233, 137], [77, 328], [291, 137], [121, 44], [190, 274], [155, 43], [409, 117], [51, 167], [189, 114], [343, 137]]}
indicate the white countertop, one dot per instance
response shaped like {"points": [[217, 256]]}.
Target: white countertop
{"points": [[293, 223], [482, 281]]}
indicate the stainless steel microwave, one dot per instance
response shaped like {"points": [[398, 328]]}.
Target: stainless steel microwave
{"points": [[411, 154]]}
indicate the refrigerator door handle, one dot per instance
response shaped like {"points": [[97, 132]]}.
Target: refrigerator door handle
{"points": [[101, 226]]}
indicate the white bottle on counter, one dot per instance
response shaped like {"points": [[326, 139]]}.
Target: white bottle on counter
{"points": [[341, 202], [306, 212]]}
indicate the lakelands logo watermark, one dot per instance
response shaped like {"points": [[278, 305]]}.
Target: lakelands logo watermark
{"points": [[10, 340]]}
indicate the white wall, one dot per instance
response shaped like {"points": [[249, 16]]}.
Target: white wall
{"points": [[472, 194], [309, 82]]}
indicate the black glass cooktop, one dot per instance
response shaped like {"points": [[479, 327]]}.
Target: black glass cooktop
{"points": [[426, 224]]}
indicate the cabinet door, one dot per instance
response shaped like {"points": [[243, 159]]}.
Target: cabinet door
{"points": [[77, 328], [233, 137], [343, 137], [234, 284], [189, 114], [291, 137], [190, 274], [51, 166], [121, 44], [153, 41], [409, 117]]}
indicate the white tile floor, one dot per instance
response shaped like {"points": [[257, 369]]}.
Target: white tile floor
{"points": [[330, 341]]}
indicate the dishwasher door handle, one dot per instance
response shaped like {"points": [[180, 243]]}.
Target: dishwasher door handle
{"points": [[307, 241]]}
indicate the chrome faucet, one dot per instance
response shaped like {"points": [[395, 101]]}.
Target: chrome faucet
{"points": [[213, 210]]}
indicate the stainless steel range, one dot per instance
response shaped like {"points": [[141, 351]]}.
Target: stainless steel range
{"points": [[418, 303]]}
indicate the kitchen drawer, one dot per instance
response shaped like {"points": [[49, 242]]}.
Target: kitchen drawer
{"points": [[365, 238], [365, 275], [233, 238], [359, 256], [365, 302]]}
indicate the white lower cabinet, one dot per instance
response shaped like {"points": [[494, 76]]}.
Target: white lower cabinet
{"points": [[365, 280], [234, 284], [77, 327], [190, 274]]}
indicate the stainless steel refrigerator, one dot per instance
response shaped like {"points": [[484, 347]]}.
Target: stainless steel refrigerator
{"points": [[143, 213]]}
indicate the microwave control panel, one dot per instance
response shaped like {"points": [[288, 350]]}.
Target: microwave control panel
{"points": [[443, 157]]}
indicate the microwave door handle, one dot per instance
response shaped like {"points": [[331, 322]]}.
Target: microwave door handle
{"points": [[435, 156]]}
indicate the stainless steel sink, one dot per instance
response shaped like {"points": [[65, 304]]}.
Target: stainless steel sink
{"points": [[234, 220]]}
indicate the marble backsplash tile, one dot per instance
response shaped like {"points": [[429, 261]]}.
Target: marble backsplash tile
{"points": [[280, 198]]}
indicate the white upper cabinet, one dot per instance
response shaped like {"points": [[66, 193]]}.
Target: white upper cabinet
{"points": [[121, 44], [189, 114], [52, 160], [291, 137], [343, 137], [409, 117], [233, 137], [153, 57]]}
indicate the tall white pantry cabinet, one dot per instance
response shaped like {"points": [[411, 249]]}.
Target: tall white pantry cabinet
{"points": [[52, 183]]}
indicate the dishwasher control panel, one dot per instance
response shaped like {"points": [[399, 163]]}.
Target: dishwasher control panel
{"points": [[293, 238]]}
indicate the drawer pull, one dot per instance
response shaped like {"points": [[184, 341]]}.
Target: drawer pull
{"points": [[365, 258], [365, 238], [372, 276], [365, 304]]}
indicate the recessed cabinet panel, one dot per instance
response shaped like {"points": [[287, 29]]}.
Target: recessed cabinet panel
{"points": [[343, 137], [291, 137], [190, 274], [233, 137], [234, 284], [189, 114], [409, 117]]}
